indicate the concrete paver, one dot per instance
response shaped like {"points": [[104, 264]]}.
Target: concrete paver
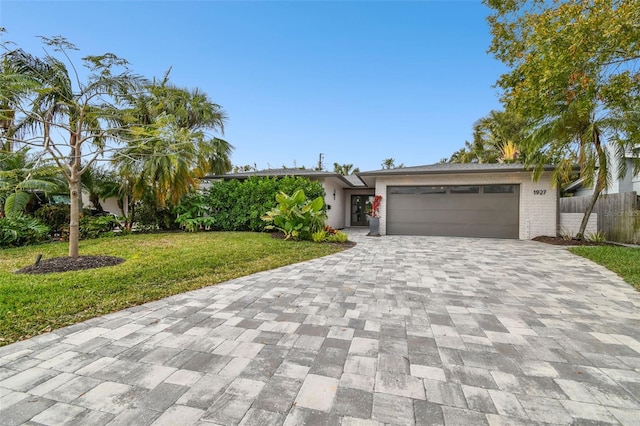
{"points": [[398, 330]]}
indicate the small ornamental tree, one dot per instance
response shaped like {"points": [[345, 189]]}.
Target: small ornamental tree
{"points": [[71, 119]]}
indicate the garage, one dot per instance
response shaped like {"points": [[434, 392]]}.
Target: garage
{"points": [[454, 210]]}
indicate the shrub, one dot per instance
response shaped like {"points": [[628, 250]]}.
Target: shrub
{"points": [[338, 237], [236, 205], [19, 230], [55, 216], [296, 216], [97, 226], [319, 236], [596, 237], [193, 213]]}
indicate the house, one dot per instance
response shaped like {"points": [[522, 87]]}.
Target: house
{"points": [[471, 200], [630, 182]]}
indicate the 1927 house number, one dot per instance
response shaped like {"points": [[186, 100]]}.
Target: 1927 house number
{"points": [[539, 191]]}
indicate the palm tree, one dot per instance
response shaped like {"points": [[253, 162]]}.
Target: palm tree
{"points": [[177, 149], [578, 129], [345, 169]]}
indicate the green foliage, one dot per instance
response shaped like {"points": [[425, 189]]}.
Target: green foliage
{"points": [[575, 75], [150, 217], [19, 230], [97, 226], [338, 237], [319, 236], [238, 205], [157, 266], [55, 216], [296, 216], [596, 237], [193, 213]]}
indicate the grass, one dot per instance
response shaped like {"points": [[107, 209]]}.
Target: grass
{"points": [[624, 261], [157, 265]]}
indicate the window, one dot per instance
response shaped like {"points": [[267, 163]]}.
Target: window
{"points": [[433, 189], [465, 189], [403, 190], [499, 189]]}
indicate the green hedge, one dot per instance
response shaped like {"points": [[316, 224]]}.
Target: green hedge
{"points": [[238, 205]]}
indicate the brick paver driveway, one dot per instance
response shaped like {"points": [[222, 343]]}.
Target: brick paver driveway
{"points": [[398, 330]]}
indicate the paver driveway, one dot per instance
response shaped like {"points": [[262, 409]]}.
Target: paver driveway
{"points": [[398, 330]]}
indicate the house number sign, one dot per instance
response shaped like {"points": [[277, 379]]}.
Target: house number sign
{"points": [[539, 191]]}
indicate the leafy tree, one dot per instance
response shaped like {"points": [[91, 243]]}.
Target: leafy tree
{"points": [[390, 163], [85, 112], [575, 76], [345, 169]]}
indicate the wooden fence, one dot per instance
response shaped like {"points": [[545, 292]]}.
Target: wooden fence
{"points": [[618, 214]]}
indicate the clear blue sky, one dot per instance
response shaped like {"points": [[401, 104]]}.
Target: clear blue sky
{"points": [[359, 81]]}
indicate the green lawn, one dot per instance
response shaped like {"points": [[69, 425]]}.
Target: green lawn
{"points": [[624, 261], [157, 265]]}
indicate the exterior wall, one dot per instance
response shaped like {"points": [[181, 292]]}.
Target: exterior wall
{"points": [[335, 214], [570, 224], [538, 200], [109, 205]]}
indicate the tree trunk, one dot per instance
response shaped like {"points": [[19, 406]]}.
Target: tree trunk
{"points": [[600, 180], [74, 221]]}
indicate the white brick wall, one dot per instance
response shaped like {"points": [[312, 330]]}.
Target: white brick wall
{"points": [[538, 200], [570, 224]]}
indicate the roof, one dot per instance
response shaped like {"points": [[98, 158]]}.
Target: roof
{"points": [[350, 181], [451, 168]]}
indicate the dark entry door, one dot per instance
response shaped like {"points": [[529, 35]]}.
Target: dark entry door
{"points": [[359, 210]]}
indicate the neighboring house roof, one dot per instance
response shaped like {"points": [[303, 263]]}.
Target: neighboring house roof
{"points": [[573, 186], [349, 181]]}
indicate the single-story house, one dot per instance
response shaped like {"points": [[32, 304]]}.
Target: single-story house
{"points": [[471, 200]]}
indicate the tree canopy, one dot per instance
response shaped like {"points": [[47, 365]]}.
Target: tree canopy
{"points": [[161, 133], [574, 74]]}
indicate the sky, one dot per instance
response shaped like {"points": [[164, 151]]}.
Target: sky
{"points": [[358, 81]]}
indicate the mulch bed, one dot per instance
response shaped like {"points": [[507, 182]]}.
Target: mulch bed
{"points": [[559, 241], [64, 264]]}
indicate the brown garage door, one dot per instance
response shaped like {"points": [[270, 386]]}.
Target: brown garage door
{"points": [[460, 211]]}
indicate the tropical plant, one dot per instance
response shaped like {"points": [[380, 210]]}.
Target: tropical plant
{"points": [[373, 207], [338, 237], [20, 175], [390, 163], [56, 217], [86, 112], [177, 148], [295, 216], [18, 230], [193, 213], [319, 236], [578, 85], [345, 169], [97, 226]]}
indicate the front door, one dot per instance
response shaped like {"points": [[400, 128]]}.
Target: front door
{"points": [[359, 210]]}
